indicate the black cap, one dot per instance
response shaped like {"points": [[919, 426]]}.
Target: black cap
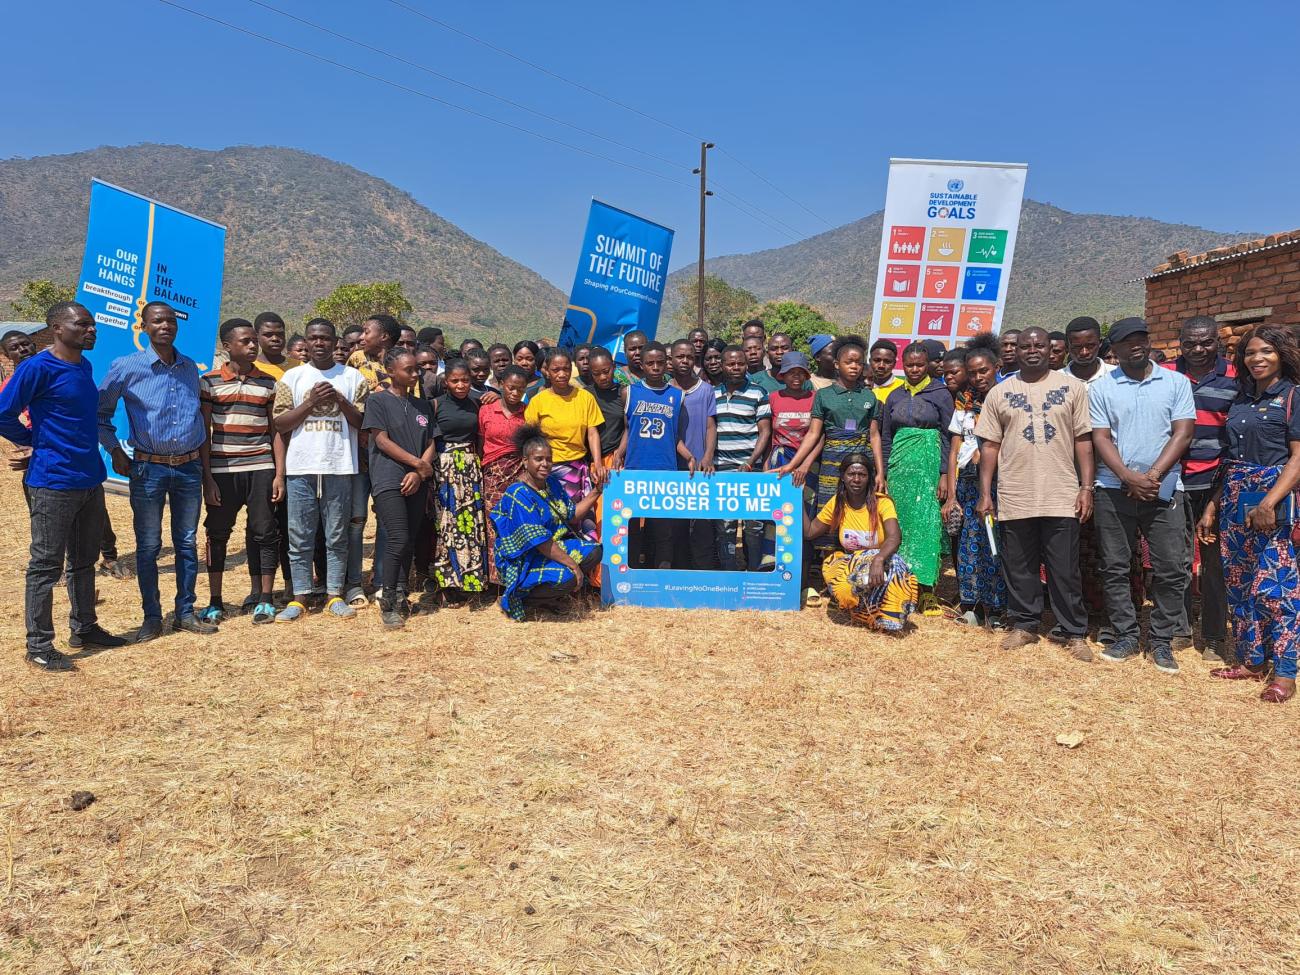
{"points": [[933, 348], [1126, 327]]}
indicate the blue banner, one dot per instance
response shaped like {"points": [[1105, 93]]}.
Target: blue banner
{"points": [[619, 286], [632, 495], [138, 251]]}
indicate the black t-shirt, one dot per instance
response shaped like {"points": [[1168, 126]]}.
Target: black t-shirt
{"points": [[408, 421], [613, 404], [457, 419]]}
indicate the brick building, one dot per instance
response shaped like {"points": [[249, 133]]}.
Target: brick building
{"points": [[1239, 286]]}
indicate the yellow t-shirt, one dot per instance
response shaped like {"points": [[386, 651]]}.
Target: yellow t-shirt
{"points": [[274, 371], [882, 392], [564, 421], [858, 531]]}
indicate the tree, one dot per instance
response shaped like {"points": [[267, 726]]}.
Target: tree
{"points": [[724, 306], [798, 320], [352, 304], [37, 297]]}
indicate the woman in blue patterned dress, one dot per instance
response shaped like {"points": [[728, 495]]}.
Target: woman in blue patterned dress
{"points": [[980, 585], [1257, 512], [539, 555]]}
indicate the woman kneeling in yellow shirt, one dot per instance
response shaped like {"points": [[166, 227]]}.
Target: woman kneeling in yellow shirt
{"points": [[866, 577]]}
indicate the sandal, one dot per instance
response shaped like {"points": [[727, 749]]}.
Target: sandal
{"points": [[929, 605], [264, 613], [1237, 672], [1275, 693], [813, 598], [212, 614]]}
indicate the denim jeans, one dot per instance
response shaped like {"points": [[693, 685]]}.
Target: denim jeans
{"points": [[357, 532], [729, 550], [324, 499], [181, 489], [65, 524]]}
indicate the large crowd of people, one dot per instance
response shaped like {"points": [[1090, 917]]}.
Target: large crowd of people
{"points": [[1071, 469]]}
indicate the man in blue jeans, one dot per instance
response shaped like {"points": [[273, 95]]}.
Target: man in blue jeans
{"points": [[317, 412], [160, 389], [64, 482]]}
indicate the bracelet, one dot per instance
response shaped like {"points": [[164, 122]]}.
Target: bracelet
{"points": [[1088, 487]]}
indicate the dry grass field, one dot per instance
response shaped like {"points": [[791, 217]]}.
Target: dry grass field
{"points": [[631, 792]]}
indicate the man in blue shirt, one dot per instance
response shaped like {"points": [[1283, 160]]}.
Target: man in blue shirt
{"points": [[652, 441], [160, 389], [64, 482], [1142, 419]]}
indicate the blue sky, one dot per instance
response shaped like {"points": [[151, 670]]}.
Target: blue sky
{"points": [[1186, 114]]}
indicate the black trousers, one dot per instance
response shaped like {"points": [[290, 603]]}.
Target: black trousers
{"points": [[696, 544], [66, 525], [1214, 595], [108, 547], [650, 543], [1164, 525], [280, 511], [551, 594], [400, 518], [243, 489], [1053, 542]]}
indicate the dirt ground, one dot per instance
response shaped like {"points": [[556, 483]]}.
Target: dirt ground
{"points": [[633, 791]]}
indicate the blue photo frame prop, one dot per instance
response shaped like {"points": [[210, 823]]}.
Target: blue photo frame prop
{"points": [[731, 496]]}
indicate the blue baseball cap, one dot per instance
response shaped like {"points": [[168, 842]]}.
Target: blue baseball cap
{"points": [[794, 360]]}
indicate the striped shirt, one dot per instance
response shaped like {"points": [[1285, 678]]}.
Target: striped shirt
{"points": [[241, 419], [738, 414], [1213, 394], [162, 404]]}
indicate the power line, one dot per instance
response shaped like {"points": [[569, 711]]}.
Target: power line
{"points": [[608, 98], [740, 162], [775, 223], [422, 94], [546, 71], [474, 88], [753, 212]]}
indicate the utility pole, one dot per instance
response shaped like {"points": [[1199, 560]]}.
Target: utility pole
{"points": [[705, 193]]}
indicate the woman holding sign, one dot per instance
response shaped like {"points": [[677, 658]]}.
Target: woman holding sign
{"points": [[540, 558], [866, 577], [1257, 512]]}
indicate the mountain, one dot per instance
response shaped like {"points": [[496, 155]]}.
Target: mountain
{"points": [[1066, 264], [297, 226]]}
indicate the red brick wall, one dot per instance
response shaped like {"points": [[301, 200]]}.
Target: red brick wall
{"points": [[1267, 279]]}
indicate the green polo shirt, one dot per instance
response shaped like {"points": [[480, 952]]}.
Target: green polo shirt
{"points": [[845, 410]]}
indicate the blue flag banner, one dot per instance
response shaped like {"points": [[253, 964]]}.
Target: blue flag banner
{"points": [[633, 495], [138, 251], [619, 286]]}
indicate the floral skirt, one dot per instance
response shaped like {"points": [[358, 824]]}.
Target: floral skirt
{"points": [[1259, 569], [497, 476], [979, 572], [884, 607], [462, 534]]}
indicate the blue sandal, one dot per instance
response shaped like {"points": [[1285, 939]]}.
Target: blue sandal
{"points": [[212, 614], [264, 613]]}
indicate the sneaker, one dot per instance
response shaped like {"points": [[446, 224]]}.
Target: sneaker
{"points": [[116, 569], [212, 613], [1121, 650], [356, 598], [50, 660], [96, 636], [264, 613], [928, 604], [1017, 639], [291, 613], [193, 624], [150, 629], [1181, 643], [1079, 649], [1216, 653], [390, 615], [1162, 655], [250, 603], [338, 609]]}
